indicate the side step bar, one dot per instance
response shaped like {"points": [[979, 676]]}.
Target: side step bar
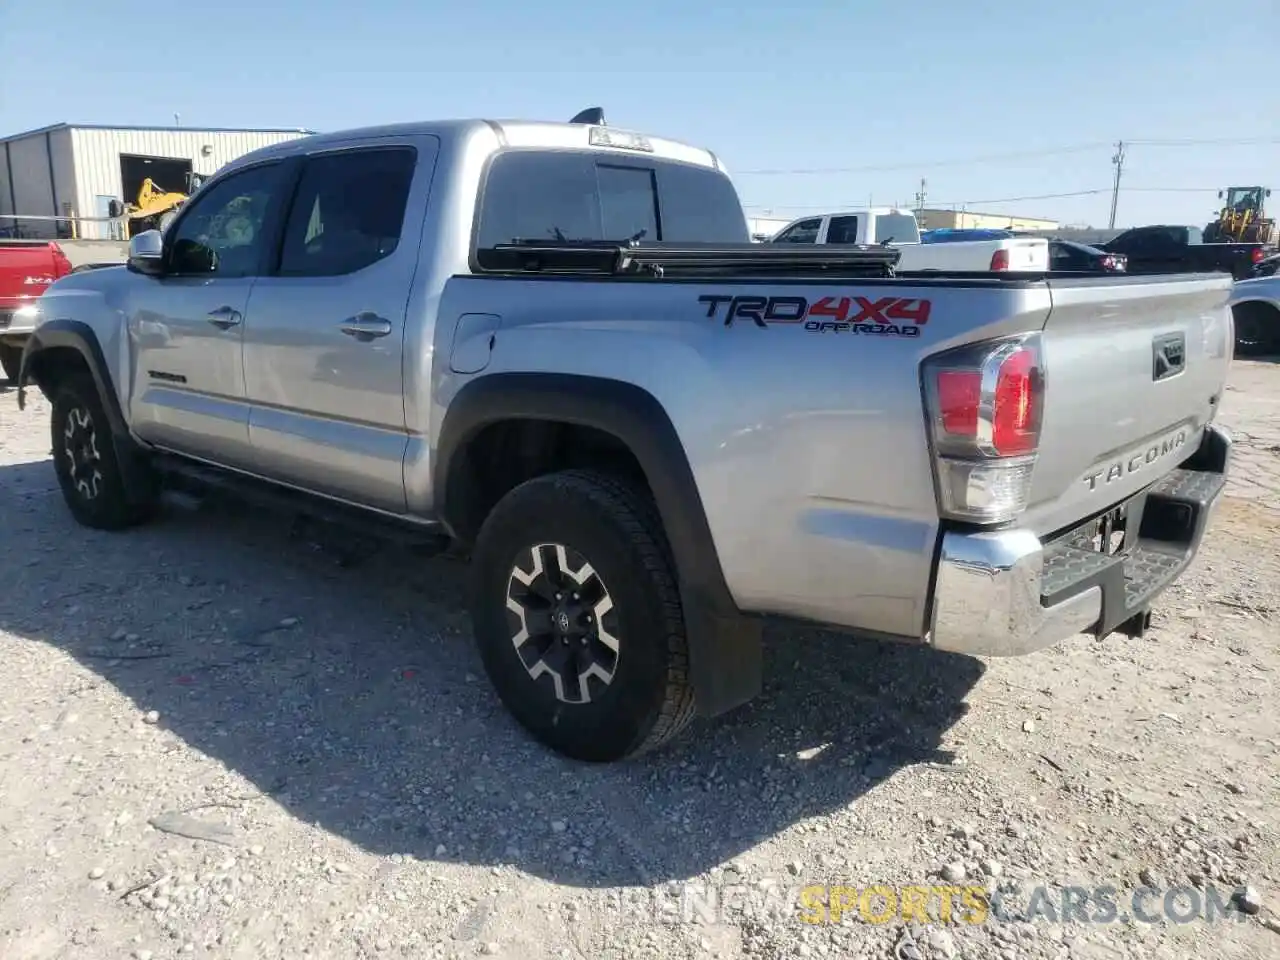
{"points": [[192, 480]]}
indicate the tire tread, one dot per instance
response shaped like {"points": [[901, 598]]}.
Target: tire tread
{"points": [[637, 514], [116, 511]]}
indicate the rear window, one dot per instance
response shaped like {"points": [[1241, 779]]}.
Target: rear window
{"points": [[898, 227], [541, 195]]}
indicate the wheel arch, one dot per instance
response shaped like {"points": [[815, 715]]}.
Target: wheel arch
{"points": [[725, 647], [58, 347], [1264, 311]]}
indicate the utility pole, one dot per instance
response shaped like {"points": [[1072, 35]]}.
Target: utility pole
{"points": [[1118, 160], [920, 199]]}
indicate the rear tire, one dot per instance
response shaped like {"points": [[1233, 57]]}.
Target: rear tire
{"points": [[10, 361], [578, 617], [1257, 328], [87, 465]]}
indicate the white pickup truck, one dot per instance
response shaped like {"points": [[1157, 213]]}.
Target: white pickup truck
{"points": [[898, 228]]}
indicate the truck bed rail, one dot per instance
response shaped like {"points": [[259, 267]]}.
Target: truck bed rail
{"points": [[659, 259]]}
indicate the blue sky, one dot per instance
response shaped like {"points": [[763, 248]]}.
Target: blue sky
{"points": [[987, 101]]}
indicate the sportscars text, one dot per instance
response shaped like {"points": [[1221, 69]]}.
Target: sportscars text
{"points": [[882, 316]]}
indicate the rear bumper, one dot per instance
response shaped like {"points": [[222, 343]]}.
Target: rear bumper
{"points": [[1006, 593]]}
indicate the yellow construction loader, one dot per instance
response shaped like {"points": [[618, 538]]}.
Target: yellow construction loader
{"points": [[1243, 217], [154, 206]]}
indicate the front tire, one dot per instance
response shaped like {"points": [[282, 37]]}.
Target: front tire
{"points": [[87, 465], [578, 617]]}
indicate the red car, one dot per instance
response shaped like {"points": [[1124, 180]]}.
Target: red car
{"points": [[27, 267]]}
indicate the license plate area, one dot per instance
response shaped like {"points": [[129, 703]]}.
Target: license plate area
{"points": [[1108, 532], [1112, 533]]}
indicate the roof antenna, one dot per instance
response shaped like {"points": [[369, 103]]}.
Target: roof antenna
{"points": [[591, 115]]}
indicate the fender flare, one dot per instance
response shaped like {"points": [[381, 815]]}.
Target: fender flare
{"points": [[77, 336], [725, 649]]}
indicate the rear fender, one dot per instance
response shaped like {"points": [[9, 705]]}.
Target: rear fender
{"points": [[725, 650]]}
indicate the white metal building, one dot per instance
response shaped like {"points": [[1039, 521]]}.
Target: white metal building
{"points": [[76, 170]]}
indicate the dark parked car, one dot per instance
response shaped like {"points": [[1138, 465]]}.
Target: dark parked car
{"points": [[1267, 267], [1082, 258], [1180, 249]]}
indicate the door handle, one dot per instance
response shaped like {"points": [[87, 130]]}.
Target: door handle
{"points": [[224, 318], [365, 326]]}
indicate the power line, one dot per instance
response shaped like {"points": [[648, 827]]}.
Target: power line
{"points": [[883, 167], [955, 204], [937, 205], [999, 157], [1223, 142]]}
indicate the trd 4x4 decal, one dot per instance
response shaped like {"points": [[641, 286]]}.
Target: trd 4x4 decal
{"points": [[882, 316]]}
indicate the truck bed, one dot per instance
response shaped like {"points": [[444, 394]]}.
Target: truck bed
{"points": [[800, 392]]}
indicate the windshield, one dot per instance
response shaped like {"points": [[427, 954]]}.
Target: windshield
{"points": [[1243, 197], [896, 227]]}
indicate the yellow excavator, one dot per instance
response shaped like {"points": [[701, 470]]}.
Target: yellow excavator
{"points": [[1243, 217], [154, 206]]}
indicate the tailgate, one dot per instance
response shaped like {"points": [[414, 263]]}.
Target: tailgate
{"points": [[1135, 367], [26, 268], [1027, 255]]}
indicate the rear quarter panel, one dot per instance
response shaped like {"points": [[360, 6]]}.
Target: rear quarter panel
{"points": [[808, 447], [26, 271]]}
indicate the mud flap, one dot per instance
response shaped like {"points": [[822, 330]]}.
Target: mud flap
{"points": [[726, 659]]}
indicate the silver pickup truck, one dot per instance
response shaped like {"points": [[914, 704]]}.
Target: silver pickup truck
{"points": [[553, 346]]}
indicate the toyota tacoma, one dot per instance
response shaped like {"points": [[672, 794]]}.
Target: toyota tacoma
{"points": [[553, 346]]}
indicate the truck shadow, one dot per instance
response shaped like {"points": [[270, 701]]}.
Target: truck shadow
{"points": [[354, 698]]}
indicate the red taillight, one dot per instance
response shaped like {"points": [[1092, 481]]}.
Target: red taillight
{"points": [[1015, 422], [61, 265], [985, 403], [1255, 255], [1000, 260], [1014, 428], [959, 393]]}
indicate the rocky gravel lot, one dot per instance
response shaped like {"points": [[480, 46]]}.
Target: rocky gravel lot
{"points": [[217, 742]]}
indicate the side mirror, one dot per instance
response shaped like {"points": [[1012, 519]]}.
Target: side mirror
{"points": [[146, 253]]}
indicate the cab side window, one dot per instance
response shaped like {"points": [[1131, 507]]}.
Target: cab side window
{"points": [[347, 212], [223, 232], [843, 230], [806, 231]]}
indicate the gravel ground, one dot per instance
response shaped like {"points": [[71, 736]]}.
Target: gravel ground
{"points": [[215, 741]]}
